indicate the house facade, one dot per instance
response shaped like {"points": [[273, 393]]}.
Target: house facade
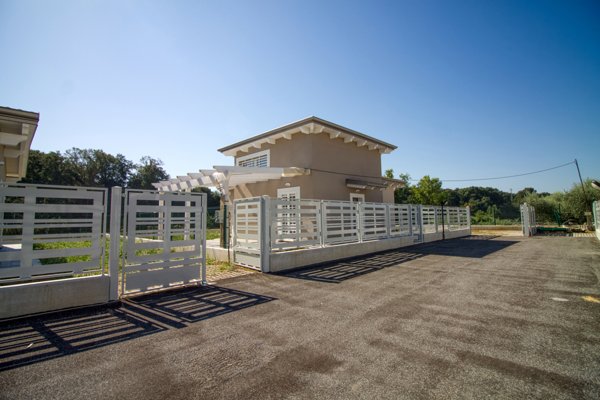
{"points": [[340, 163]]}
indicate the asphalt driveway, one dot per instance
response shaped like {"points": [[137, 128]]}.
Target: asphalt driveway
{"points": [[478, 317]]}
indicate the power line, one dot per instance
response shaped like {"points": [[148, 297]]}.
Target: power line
{"points": [[507, 176], [454, 180], [346, 173]]}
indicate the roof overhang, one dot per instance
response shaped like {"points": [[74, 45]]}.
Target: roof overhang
{"points": [[17, 128], [310, 125], [225, 177]]}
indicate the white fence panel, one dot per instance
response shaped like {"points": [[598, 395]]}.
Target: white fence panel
{"points": [[48, 232], [528, 221], [247, 233], [373, 221], [452, 218], [464, 218], [415, 220], [400, 219], [295, 223], [429, 219], [165, 240], [340, 222], [247, 224]]}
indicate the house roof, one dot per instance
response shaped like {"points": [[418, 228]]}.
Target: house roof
{"points": [[17, 128], [310, 125]]}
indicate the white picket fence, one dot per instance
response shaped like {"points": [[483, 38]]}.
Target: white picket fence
{"points": [[301, 223]]}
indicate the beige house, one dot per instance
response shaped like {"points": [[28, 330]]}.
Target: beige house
{"points": [[17, 128], [338, 163]]}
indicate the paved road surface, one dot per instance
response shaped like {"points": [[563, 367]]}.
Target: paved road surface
{"points": [[467, 318]]}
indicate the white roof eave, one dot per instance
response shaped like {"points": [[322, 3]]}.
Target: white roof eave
{"points": [[224, 177], [312, 128]]}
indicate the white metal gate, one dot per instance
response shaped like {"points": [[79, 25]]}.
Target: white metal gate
{"points": [[247, 235], [165, 240]]}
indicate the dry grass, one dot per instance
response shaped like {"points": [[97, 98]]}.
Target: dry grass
{"points": [[217, 270]]}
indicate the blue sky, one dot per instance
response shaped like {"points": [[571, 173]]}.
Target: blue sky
{"points": [[465, 89]]}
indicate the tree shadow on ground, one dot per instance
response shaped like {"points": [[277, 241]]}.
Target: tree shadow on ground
{"points": [[339, 271], [45, 337]]}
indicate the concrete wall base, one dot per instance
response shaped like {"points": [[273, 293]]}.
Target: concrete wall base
{"points": [[219, 253], [39, 297], [292, 259]]}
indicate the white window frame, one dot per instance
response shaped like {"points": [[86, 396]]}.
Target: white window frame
{"points": [[258, 154], [360, 195]]}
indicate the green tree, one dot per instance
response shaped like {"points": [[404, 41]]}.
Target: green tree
{"points": [[577, 201], [428, 191], [545, 207], [148, 171], [49, 168], [213, 198], [403, 194], [519, 197], [98, 168], [90, 167]]}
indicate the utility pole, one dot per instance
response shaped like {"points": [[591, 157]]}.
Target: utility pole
{"points": [[588, 214], [581, 180]]}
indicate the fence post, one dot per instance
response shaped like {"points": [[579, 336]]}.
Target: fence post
{"points": [[469, 218], [420, 219], [323, 222], [265, 230], [203, 200], [443, 225], [359, 223], [2, 212], [388, 221], [187, 215], [410, 220], [115, 242]]}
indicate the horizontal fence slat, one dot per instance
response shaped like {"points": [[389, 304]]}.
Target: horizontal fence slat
{"points": [[59, 193], [50, 215], [52, 208], [51, 269], [161, 265], [94, 252]]}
